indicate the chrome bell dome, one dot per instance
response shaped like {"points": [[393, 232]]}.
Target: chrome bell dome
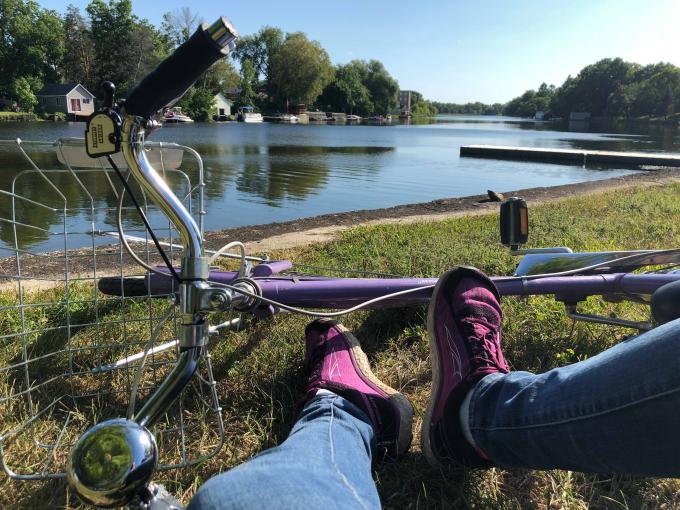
{"points": [[112, 462]]}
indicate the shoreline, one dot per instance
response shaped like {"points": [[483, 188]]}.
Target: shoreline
{"points": [[321, 228], [38, 271]]}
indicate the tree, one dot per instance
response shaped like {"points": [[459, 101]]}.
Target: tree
{"points": [[221, 77], [177, 26], [112, 27], [31, 45], [424, 108], [347, 91], [198, 104], [78, 49], [23, 92], [248, 76], [383, 88], [260, 49], [300, 69], [656, 94], [147, 49], [591, 90], [125, 47], [531, 101]]}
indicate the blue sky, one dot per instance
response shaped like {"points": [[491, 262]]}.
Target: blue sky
{"points": [[459, 51]]}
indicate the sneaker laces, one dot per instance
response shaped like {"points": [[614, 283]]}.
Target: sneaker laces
{"points": [[483, 342]]}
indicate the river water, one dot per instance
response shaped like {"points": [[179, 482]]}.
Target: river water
{"points": [[261, 173]]}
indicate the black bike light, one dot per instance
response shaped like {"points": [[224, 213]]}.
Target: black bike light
{"points": [[514, 222]]}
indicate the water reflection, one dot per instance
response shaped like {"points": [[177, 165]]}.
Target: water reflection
{"points": [[263, 173]]}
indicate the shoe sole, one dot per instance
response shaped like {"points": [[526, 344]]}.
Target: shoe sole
{"points": [[403, 404], [425, 440]]}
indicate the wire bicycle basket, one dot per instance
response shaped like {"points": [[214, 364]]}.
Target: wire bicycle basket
{"points": [[69, 354]]}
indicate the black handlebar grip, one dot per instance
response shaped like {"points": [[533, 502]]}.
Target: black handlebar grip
{"points": [[173, 77]]}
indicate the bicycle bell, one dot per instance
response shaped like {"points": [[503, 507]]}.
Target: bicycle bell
{"points": [[112, 462]]}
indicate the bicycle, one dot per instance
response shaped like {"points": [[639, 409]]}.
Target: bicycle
{"points": [[112, 463]]}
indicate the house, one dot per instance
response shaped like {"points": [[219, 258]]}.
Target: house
{"points": [[222, 107], [70, 98]]}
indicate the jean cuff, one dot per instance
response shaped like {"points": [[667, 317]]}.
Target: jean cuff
{"points": [[475, 409]]}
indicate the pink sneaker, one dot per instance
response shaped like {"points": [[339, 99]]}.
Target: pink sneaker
{"points": [[464, 325], [336, 363]]}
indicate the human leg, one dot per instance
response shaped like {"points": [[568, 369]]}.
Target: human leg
{"points": [[464, 326], [616, 412], [325, 462]]}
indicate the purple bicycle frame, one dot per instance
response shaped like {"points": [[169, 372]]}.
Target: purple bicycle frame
{"points": [[342, 293]]}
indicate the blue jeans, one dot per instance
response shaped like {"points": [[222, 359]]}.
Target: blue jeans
{"points": [[617, 412]]}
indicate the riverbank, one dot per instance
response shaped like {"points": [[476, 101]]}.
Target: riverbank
{"points": [[266, 238], [259, 374], [324, 227]]}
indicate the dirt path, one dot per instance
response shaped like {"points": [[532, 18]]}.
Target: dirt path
{"points": [[40, 271]]}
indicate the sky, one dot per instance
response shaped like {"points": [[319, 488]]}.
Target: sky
{"points": [[459, 51]]}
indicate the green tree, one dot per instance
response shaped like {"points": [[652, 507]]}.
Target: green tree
{"points": [[248, 76], [260, 49], [658, 93], [591, 90], [31, 45], [476, 108], [531, 102], [125, 47], [221, 77], [347, 91], [301, 69], [147, 50], [383, 88], [78, 49], [424, 108], [23, 92], [112, 25], [198, 104]]}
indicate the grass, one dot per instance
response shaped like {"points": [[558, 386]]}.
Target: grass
{"points": [[259, 371], [21, 116]]}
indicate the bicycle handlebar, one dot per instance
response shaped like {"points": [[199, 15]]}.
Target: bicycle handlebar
{"points": [[173, 77]]}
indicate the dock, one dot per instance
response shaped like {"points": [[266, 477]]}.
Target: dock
{"points": [[572, 156]]}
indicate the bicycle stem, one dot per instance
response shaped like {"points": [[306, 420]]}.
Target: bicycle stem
{"points": [[193, 327]]}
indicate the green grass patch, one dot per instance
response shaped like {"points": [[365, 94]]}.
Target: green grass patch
{"points": [[17, 116], [259, 371]]}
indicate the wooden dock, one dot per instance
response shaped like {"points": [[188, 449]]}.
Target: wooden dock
{"points": [[572, 156]]}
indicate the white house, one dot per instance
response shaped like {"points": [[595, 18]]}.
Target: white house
{"points": [[70, 98], [222, 107]]}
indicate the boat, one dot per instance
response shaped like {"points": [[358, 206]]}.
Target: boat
{"points": [[288, 117], [317, 116], [247, 114], [353, 118], [379, 119], [174, 115]]}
